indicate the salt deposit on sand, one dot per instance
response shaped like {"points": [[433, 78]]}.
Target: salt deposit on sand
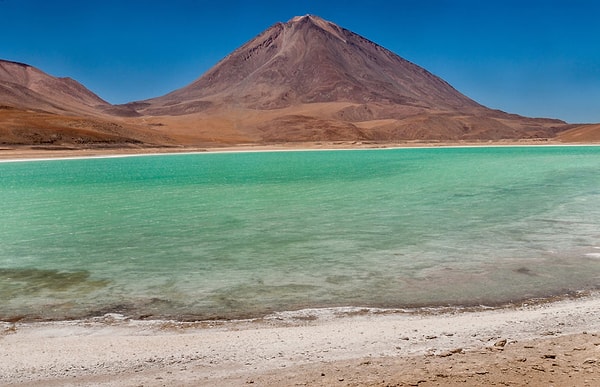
{"points": [[311, 346], [32, 153]]}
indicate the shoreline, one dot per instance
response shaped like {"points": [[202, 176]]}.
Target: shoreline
{"points": [[307, 312], [32, 153], [541, 341], [307, 348]]}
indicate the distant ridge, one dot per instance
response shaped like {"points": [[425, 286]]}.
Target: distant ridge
{"points": [[25, 86], [306, 80], [39, 109]]}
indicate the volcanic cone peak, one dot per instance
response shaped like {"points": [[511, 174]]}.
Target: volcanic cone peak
{"points": [[304, 80], [308, 60]]}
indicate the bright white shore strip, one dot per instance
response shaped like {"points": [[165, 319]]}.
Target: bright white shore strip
{"points": [[269, 150], [113, 345]]}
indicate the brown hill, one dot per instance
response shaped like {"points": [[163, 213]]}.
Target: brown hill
{"points": [[53, 130], [39, 109], [26, 87], [581, 133], [304, 80], [309, 80]]}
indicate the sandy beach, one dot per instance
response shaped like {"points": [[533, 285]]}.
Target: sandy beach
{"points": [[50, 152], [555, 343]]}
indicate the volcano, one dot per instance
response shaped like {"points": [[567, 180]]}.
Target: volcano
{"points": [[310, 60], [306, 80], [309, 79]]}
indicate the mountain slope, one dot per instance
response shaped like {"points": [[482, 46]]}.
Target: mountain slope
{"points": [[310, 80], [589, 133], [24, 86], [39, 109], [310, 60], [304, 80]]}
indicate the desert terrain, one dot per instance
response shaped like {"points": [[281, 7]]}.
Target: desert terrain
{"points": [[300, 82], [554, 343]]}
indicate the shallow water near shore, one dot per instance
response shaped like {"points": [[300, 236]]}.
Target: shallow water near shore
{"points": [[234, 235]]}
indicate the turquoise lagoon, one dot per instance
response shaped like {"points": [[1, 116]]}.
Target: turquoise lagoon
{"points": [[234, 235]]}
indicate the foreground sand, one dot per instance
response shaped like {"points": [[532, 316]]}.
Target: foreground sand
{"points": [[548, 344]]}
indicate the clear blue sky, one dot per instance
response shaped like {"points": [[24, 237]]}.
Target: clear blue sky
{"points": [[532, 57]]}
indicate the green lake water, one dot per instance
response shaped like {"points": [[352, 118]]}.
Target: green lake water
{"points": [[234, 235]]}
